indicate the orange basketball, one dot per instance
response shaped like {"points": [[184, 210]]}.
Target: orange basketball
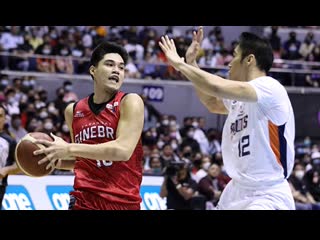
{"points": [[25, 159]]}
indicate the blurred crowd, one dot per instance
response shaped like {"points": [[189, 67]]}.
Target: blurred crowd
{"points": [[66, 49]]}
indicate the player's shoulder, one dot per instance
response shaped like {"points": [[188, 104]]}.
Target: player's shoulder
{"points": [[266, 81], [132, 99], [269, 86]]}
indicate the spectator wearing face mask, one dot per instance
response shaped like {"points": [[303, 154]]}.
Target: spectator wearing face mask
{"points": [[167, 155], [45, 63], [69, 94], [11, 104], [163, 125], [189, 140], [201, 166], [15, 127], [48, 126], [155, 166], [65, 132], [4, 82], [63, 62], [199, 134], [43, 113]]}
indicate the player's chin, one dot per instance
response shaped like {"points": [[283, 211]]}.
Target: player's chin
{"points": [[113, 87]]}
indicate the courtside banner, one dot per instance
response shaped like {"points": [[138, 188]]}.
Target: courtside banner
{"points": [[52, 193]]}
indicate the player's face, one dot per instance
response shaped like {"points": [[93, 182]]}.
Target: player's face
{"points": [[237, 69], [109, 73]]}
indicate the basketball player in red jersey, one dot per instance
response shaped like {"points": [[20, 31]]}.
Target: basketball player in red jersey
{"points": [[105, 127]]}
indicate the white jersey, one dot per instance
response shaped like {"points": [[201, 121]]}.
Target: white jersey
{"points": [[258, 137]]}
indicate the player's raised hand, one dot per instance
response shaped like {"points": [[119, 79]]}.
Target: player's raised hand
{"points": [[168, 47], [194, 48]]}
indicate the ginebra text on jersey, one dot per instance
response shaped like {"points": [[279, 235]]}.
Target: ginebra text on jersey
{"points": [[94, 132]]}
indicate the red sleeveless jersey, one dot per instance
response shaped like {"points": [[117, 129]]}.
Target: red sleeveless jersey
{"points": [[115, 182]]}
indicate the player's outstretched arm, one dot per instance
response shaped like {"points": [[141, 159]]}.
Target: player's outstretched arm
{"points": [[208, 83]]}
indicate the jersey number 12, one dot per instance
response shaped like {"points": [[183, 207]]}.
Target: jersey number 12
{"points": [[243, 145]]}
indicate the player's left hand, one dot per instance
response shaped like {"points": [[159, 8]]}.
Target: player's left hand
{"points": [[168, 47], [194, 48], [58, 149]]}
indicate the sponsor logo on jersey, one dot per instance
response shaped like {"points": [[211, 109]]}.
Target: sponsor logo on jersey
{"points": [[17, 198], [109, 106], [112, 107], [78, 114], [94, 132], [239, 125], [59, 196]]}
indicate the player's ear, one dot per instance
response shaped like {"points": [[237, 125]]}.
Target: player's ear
{"points": [[250, 58], [91, 70]]}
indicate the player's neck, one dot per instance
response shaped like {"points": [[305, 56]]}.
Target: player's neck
{"points": [[102, 98], [255, 74]]}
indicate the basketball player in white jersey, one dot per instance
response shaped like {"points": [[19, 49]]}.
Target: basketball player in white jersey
{"points": [[258, 135]]}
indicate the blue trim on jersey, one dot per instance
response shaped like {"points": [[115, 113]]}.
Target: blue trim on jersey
{"points": [[283, 149]]}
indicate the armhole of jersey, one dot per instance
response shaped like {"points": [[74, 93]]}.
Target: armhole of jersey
{"points": [[74, 105], [124, 96]]}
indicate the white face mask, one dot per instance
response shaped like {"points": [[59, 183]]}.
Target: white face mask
{"points": [[11, 100], [43, 114], [174, 146], [160, 144], [165, 122], [299, 174], [206, 165], [51, 109], [195, 124], [48, 125], [173, 123], [65, 128], [190, 134]]}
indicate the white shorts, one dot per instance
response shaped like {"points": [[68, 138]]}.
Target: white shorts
{"points": [[275, 197]]}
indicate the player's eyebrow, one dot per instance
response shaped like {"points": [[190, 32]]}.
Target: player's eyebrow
{"points": [[112, 61]]}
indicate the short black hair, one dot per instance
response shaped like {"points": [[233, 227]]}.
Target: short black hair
{"points": [[260, 47], [106, 47]]}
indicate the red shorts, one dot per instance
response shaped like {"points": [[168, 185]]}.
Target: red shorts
{"points": [[88, 201]]}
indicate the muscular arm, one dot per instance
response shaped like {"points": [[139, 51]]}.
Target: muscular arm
{"points": [[128, 133], [216, 86], [212, 103], [208, 83]]}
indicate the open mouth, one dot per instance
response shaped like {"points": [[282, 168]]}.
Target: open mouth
{"points": [[114, 78]]}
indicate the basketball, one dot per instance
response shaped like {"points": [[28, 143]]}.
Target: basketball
{"points": [[26, 161]]}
